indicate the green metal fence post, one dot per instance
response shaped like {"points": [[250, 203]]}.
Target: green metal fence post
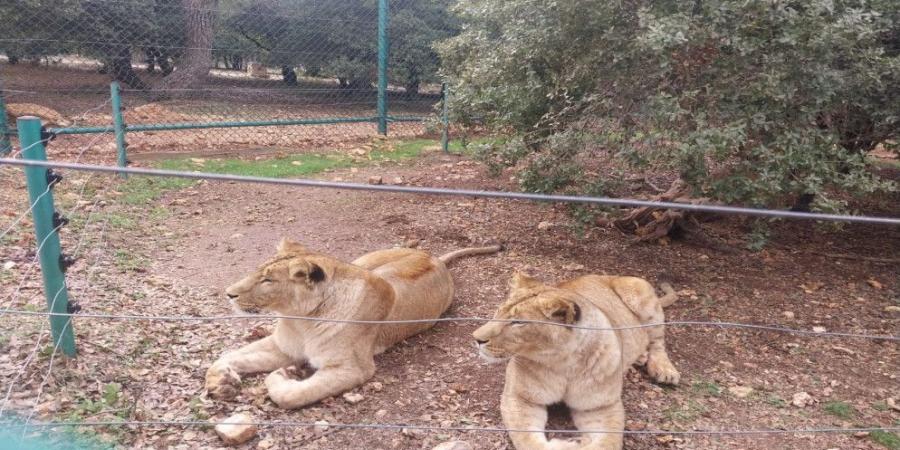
{"points": [[382, 66], [47, 232], [5, 145], [119, 126], [445, 118]]}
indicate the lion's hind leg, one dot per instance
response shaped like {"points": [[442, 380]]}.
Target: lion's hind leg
{"points": [[659, 366], [607, 424], [325, 382]]}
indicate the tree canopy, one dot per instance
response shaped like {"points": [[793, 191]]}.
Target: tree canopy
{"points": [[759, 102]]}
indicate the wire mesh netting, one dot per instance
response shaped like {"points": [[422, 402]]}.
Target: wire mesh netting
{"points": [[231, 63]]}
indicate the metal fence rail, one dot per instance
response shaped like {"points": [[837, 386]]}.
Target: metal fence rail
{"points": [[607, 201]]}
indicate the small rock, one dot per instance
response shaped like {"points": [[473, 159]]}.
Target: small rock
{"points": [[573, 267], [893, 403], [354, 170], [454, 445], [819, 329], [740, 391], [413, 433], [843, 350], [875, 283], [398, 180], [788, 315], [265, 444], [376, 180], [9, 265], [237, 236], [353, 397], [236, 429], [376, 386], [892, 308], [545, 225], [801, 399], [380, 413], [321, 425], [296, 163]]}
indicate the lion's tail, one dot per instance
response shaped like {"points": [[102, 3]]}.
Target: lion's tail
{"points": [[670, 297], [471, 251]]}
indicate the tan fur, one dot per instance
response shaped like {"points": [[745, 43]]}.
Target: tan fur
{"points": [[582, 368], [396, 284]]}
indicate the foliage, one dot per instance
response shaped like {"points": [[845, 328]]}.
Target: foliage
{"points": [[339, 39], [333, 39], [751, 102]]}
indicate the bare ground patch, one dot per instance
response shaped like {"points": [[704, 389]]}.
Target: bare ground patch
{"points": [[175, 255]]}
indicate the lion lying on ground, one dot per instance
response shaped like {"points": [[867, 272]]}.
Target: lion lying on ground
{"points": [[396, 284], [582, 368]]}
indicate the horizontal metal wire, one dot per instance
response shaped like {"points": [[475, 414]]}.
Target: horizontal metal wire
{"points": [[386, 426], [203, 125], [621, 202], [675, 323]]}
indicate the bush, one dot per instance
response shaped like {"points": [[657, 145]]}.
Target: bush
{"points": [[763, 103]]}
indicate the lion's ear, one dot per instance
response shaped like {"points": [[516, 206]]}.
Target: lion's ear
{"points": [[562, 311], [520, 280], [302, 270], [288, 245]]}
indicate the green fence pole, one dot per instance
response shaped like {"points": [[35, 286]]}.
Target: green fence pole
{"points": [[118, 126], [46, 229], [382, 66], [445, 119], [5, 145]]}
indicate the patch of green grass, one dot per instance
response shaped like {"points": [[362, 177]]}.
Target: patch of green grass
{"points": [[776, 401], [687, 412], [291, 166], [707, 388], [840, 409], [409, 150], [128, 261], [121, 221], [158, 213], [880, 406], [886, 439], [141, 190], [6, 276]]}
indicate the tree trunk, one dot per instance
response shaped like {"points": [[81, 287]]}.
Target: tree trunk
{"points": [[194, 65], [121, 69], [412, 86]]}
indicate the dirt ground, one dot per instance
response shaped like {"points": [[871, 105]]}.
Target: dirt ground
{"points": [[175, 255]]}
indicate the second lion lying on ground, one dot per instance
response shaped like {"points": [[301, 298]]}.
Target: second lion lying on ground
{"points": [[583, 368], [395, 284]]}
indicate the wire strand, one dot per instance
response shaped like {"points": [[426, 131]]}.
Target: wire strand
{"points": [[621, 202], [386, 426], [677, 323]]}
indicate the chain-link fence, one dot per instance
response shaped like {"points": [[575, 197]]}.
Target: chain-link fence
{"points": [[227, 75]]}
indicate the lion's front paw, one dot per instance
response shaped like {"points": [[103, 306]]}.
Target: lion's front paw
{"points": [[222, 382], [662, 371], [564, 444]]}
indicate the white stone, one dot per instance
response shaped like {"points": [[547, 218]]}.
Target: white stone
{"points": [[801, 399], [740, 391], [454, 445], [353, 397], [545, 225], [236, 429]]}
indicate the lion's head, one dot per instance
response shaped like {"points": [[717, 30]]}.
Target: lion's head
{"points": [[529, 300], [287, 284]]}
